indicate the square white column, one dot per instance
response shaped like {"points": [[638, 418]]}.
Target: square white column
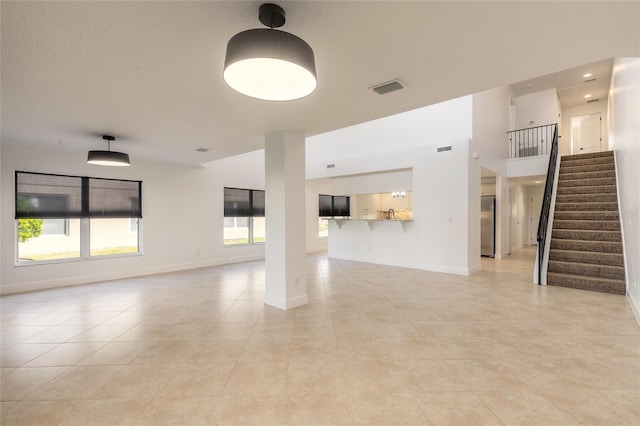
{"points": [[285, 246]]}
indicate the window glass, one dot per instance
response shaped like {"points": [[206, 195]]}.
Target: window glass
{"points": [[112, 236], [55, 226], [323, 228], [36, 245], [258, 230], [238, 233]]}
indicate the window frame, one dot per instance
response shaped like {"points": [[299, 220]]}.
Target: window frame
{"points": [[253, 211], [85, 217], [85, 247]]}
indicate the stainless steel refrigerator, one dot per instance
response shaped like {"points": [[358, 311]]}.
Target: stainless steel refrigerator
{"points": [[488, 226]]}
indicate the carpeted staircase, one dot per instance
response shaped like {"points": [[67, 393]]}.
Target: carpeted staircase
{"points": [[586, 243]]}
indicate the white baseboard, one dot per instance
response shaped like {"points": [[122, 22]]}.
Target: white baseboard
{"points": [[410, 265], [22, 287], [634, 308], [290, 303]]}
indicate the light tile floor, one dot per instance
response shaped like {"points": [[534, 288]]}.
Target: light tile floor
{"points": [[376, 345]]}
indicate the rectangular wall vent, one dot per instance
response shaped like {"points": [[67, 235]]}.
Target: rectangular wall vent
{"points": [[330, 166], [388, 87], [444, 148]]}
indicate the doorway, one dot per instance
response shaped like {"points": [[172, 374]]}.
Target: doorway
{"points": [[586, 133], [535, 205]]}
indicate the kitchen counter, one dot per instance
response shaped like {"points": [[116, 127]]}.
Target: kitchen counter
{"points": [[371, 222]]}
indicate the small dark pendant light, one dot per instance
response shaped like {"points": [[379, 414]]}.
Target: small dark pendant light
{"points": [[108, 158]]}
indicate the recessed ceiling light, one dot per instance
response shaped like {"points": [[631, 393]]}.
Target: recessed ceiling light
{"points": [[588, 95], [587, 75], [537, 181]]}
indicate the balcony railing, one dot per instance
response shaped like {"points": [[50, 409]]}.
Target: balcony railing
{"points": [[531, 142]]}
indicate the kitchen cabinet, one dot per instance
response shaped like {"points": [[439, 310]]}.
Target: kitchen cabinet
{"points": [[401, 203], [367, 206], [397, 204]]}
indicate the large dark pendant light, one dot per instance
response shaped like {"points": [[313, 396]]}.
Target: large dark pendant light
{"points": [[270, 64], [108, 158]]}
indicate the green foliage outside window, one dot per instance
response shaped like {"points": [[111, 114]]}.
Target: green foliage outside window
{"points": [[29, 228]]}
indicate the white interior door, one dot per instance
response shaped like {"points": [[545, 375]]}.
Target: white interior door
{"points": [[535, 205], [586, 133]]}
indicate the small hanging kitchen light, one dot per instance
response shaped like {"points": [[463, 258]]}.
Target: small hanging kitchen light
{"points": [[108, 158], [270, 64]]}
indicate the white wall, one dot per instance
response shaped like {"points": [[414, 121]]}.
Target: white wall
{"points": [[432, 124], [182, 216], [518, 213], [439, 238], [537, 109], [531, 222], [624, 139], [490, 124], [445, 234], [528, 166], [315, 188], [564, 143], [373, 183]]}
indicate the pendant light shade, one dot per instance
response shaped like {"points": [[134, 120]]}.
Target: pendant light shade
{"points": [[270, 64], [108, 158]]}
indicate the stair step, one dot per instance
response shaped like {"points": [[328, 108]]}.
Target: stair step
{"points": [[600, 189], [586, 182], [587, 270], [563, 175], [579, 245], [586, 283], [586, 161], [611, 197], [599, 206], [564, 168], [590, 155], [584, 235], [594, 258], [609, 215], [592, 225]]}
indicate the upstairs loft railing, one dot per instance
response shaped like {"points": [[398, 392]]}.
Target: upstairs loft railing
{"points": [[543, 224], [532, 141]]}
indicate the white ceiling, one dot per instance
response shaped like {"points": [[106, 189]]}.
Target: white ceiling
{"points": [[572, 85], [151, 72]]}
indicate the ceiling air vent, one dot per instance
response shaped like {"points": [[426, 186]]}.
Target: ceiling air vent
{"points": [[388, 87], [590, 80], [444, 148], [202, 149], [330, 166], [593, 100]]}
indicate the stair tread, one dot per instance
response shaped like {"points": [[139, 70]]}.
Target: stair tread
{"points": [[582, 277], [594, 241], [599, 265], [583, 222], [593, 257], [605, 231]]}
